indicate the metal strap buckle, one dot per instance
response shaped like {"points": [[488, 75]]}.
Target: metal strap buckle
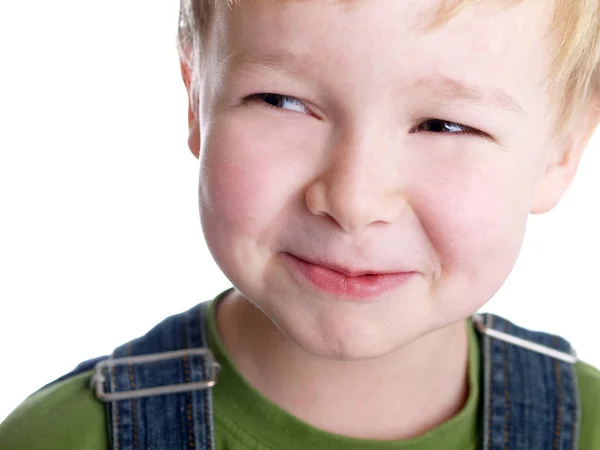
{"points": [[99, 376], [533, 346]]}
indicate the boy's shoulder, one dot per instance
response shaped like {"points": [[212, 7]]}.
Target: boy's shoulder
{"points": [[588, 380], [65, 415]]}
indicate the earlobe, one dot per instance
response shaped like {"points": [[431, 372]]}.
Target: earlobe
{"points": [[562, 168], [549, 192], [194, 139], [193, 125]]}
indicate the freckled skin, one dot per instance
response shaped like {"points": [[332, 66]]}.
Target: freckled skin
{"points": [[348, 181]]}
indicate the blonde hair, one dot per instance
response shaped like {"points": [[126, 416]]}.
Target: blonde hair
{"points": [[573, 81]]}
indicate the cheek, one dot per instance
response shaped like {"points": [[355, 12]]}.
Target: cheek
{"points": [[249, 173], [235, 193], [234, 190], [475, 219]]}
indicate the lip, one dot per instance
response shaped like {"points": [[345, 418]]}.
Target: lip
{"points": [[342, 270], [341, 282]]}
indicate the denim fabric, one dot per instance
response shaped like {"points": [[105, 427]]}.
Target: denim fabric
{"points": [[531, 401], [172, 421], [83, 367]]}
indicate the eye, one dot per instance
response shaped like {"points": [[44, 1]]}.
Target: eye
{"points": [[280, 101], [443, 126]]}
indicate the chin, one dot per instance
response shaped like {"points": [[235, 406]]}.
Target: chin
{"points": [[340, 335], [348, 352], [348, 348]]}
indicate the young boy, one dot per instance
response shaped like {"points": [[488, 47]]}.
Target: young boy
{"points": [[367, 169]]}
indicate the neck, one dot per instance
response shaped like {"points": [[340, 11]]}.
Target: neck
{"points": [[402, 395]]}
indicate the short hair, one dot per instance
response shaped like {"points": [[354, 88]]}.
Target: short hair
{"points": [[573, 81]]}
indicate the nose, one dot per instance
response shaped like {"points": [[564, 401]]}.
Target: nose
{"points": [[358, 186]]}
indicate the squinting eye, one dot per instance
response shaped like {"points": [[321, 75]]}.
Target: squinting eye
{"points": [[282, 101], [443, 126]]}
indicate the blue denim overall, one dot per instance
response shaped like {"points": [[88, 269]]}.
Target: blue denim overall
{"points": [[158, 396]]}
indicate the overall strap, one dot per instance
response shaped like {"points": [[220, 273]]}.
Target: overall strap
{"points": [[157, 387], [530, 394]]}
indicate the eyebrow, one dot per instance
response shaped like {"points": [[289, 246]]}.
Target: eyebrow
{"points": [[286, 60], [455, 89], [444, 86]]}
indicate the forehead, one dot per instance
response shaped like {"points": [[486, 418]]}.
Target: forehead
{"points": [[388, 43]]}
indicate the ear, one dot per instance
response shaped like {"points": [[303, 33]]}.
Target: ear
{"points": [[565, 160], [193, 124]]}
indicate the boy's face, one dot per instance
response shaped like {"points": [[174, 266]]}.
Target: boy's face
{"points": [[346, 167]]}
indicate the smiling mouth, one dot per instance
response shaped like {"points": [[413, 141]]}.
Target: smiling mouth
{"points": [[342, 283], [349, 273]]}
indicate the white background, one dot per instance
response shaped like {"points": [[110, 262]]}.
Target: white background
{"points": [[99, 230]]}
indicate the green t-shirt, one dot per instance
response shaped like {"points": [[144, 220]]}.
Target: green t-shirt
{"points": [[67, 416]]}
